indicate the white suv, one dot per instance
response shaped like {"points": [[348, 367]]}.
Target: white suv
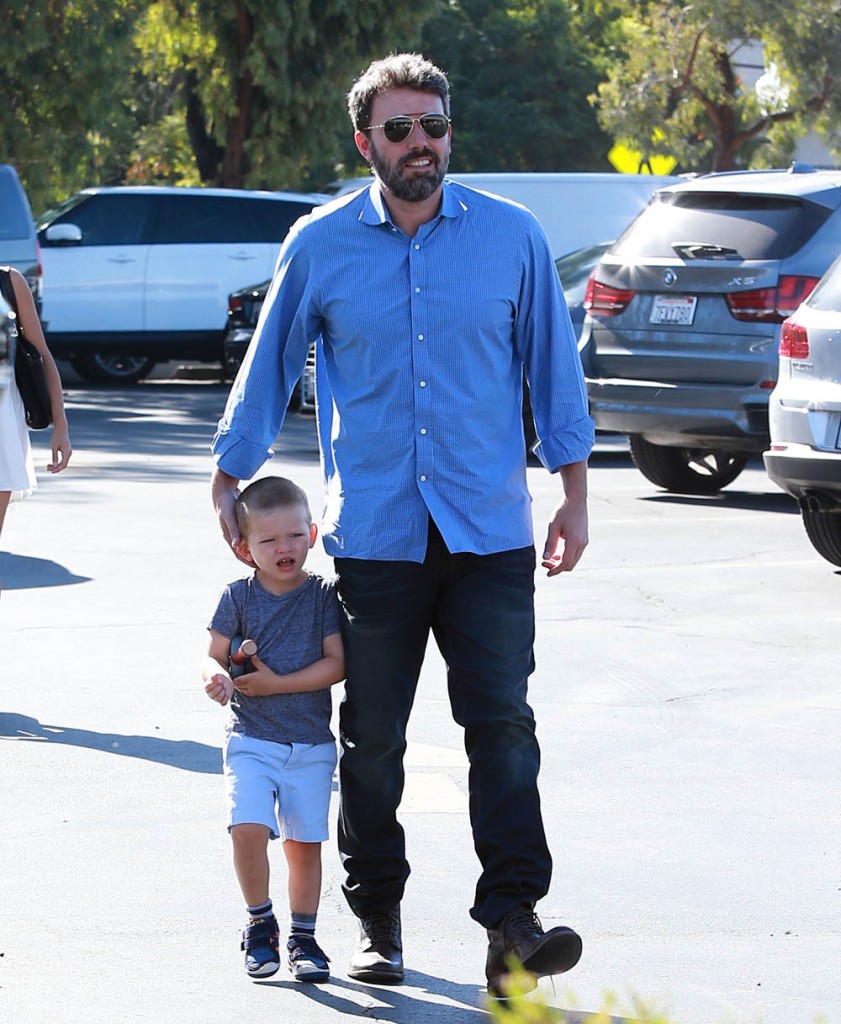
{"points": [[139, 275], [805, 414]]}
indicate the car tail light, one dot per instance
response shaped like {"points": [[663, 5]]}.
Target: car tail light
{"points": [[601, 299], [235, 303], [794, 341], [771, 305]]}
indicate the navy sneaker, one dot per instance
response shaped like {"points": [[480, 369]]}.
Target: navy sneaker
{"points": [[260, 941], [307, 961]]}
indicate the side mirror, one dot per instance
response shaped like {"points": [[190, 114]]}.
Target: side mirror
{"points": [[63, 234]]}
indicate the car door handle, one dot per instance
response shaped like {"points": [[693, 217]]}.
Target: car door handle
{"points": [[242, 256], [122, 259]]}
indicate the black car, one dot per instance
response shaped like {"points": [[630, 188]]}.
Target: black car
{"points": [[244, 307]]}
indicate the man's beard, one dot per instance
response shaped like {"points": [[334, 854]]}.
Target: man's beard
{"points": [[413, 189]]}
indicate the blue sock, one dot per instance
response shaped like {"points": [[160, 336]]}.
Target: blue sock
{"points": [[261, 912], [302, 924]]}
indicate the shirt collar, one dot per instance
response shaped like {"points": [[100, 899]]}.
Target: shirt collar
{"points": [[374, 210]]}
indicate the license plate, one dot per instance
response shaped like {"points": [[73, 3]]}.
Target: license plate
{"points": [[673, 309]]}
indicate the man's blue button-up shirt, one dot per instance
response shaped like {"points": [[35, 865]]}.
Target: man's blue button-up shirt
{"points": [[421, 347]]}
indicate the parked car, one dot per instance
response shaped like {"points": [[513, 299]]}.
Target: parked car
{"points": [[684, 311], [140, 275], [18, 240], [574, 270], [244, 307], [575, 210], [805, 414]]}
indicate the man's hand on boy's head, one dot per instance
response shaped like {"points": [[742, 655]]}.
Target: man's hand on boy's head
{"points": [[262, 682], [220, 688]]}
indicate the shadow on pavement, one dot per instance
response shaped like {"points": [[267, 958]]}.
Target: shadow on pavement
{"points": [[23, 572], [186, 754], [748, 500], [399, 1005], [127, 422], [106, 419]]}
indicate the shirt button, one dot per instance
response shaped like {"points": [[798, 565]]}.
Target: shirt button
{"points": [[420, 337], [417, 247], [423, 383], [423, 479], [417, 290], [423, 430]]}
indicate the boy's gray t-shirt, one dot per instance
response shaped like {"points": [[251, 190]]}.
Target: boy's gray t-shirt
{"points": [[288, 630]]}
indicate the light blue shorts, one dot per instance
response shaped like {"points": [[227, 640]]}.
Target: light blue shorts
{"points": [[284, 786]]}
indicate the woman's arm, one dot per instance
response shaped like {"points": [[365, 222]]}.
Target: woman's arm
{"points": [[31, 325]]}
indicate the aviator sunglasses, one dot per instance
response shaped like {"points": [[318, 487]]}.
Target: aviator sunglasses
{"points": [[399, 128]]}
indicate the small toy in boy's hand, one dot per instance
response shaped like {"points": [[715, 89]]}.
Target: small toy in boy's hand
{"points": [[242, 651]]}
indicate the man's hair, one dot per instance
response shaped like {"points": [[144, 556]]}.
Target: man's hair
{"points": [[399, 71], [265, 495]]}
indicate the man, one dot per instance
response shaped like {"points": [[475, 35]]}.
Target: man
{"points": [[428, 300]]}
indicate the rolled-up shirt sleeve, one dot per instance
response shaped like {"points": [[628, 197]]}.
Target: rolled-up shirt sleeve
{"points": [[548, 348]]}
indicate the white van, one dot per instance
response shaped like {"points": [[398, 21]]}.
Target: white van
{"points": [[575, 209]]}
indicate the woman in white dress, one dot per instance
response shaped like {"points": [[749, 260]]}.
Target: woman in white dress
{"points": [[17, 471]]}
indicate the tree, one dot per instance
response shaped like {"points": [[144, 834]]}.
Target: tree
{"points": [[261, 86], [57, 123], [678, 77], [520, 73]]}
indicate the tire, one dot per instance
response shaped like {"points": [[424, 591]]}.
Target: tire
{"points": [[824, 531], [112, 369], [686, 470]]}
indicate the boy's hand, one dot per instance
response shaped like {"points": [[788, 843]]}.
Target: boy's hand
{"points": [[262, 682], [220, 688]]}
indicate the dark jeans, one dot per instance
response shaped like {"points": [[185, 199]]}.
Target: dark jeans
{"points": [[480, 609]]}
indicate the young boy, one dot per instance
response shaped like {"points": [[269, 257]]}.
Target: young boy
{"points": [[279, 753]]}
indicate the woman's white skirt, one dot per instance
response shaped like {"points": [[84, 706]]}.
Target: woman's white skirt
{"points": [[17, 468]]}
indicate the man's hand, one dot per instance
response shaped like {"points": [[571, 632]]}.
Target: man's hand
{"points": [[568, 530], [224, 492], [220, 688], [566, 539], [262, 682]]}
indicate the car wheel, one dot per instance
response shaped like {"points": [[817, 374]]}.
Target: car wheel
{"points": [[686, 470], [824, 531], [113, 369]]}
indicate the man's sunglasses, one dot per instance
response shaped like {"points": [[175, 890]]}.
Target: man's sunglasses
{"points": [[397, 129]]}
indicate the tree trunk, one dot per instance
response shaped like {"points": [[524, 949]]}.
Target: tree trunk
{"points": [[207, 153], [233, 165]]}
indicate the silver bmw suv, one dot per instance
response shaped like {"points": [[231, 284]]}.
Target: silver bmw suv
{"points": [[684, 311]]}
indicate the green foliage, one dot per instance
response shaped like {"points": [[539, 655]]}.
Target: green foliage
{"points": [[524, 1006], [58, 125], [520, 73], [262, 86], [679, 74]]}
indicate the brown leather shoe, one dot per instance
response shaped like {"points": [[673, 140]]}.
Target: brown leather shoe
{"points": [[519, 940], [378, 956]]}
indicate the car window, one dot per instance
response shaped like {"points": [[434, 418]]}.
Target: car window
{"points": [[198, 219], [106, 219], [574, 270], [277, 217], [827, 295], [748, 227], [14, 219]]}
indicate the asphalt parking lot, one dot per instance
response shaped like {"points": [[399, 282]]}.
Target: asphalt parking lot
{"points": [[688, 708]]}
